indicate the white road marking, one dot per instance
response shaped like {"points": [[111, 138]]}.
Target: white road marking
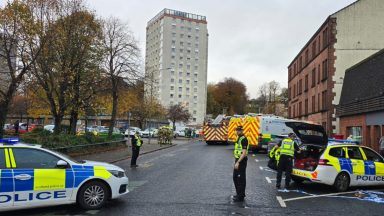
{"points": [[276, 179], [261, 168], [281, 201], [256, 160], [268, 180], [316, 196]]}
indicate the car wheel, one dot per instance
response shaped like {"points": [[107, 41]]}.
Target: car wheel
{"points": [[342, 182], [93, 195]]}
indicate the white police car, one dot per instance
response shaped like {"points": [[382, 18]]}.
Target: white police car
{"points": [[339, 163], [31, 176]]}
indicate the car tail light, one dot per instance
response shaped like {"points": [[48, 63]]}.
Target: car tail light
{"points": [[324, 162]]}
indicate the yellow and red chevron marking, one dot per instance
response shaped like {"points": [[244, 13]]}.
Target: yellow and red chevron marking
{"points": [[251, 128], [233, 124], [215, 133]]}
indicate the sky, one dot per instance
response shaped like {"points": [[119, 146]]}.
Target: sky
{"points": [[253, 41]]}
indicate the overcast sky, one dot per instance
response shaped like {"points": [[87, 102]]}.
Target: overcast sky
{"points": [[251, 40]]}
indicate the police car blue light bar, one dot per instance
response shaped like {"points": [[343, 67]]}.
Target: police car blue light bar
{"points": [[10, 141], [340, 141]]}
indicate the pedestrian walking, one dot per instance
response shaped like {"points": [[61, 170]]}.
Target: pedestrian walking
{"points": [[16, 127], [287, 152], [381, 145], [136, 144], [239, 172]]}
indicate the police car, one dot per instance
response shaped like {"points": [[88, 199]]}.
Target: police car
{"points": [[338, 163], [31, 176]]}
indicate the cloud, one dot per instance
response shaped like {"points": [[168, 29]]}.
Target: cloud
{"points": [[251, 40]]}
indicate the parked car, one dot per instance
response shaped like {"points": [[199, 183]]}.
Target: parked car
{"points": [[131, 131], [180, 133], [149, 132], [49, 128]]}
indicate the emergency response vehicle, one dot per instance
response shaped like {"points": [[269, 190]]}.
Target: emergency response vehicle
{"points": [[31, 176], [251, 128], [341, 164], [216, 131]]}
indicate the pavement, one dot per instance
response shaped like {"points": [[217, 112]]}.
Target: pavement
{"points": [[192, 178]]}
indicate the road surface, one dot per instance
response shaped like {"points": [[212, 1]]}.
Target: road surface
{"points": [[196, 179]]}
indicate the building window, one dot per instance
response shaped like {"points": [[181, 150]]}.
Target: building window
{"points": [[325, 38], [172, 88], [318, 102], [172, 80], [300, 86], [294, 90], [289, 93], [300, 63], [300, 109], [180, 81], [180, 89], [194, 112], [289, 74], [187, 89], [313, 77], [306, 106], [180, 65], [171, 95], [318, 74], [325, 70], [306, 57], [314, 104], [306, 83], [195, 90], [324, 100], [294, 69], [179, 96], [313, 49], [356, 132]]}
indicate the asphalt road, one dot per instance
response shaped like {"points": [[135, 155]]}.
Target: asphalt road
{"points": [[196, 179]]}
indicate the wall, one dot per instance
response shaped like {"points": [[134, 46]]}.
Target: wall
{"points": [[359, 34]]}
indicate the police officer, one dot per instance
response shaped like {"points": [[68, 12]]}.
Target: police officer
{"points": [[274, 156], [136, 144], [287, 152], [239, 172]]}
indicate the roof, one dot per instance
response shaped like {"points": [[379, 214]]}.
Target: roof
{"points": [[364, 80], [363, 89]]}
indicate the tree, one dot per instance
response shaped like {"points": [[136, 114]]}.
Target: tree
{"points": [[212, 105], [66, 69], [231, 96], [121, 59], [271, 98], [178, 113], [19, 48]]}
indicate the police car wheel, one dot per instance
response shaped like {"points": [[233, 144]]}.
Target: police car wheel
{"points": [[342, 182], [93, 195]]}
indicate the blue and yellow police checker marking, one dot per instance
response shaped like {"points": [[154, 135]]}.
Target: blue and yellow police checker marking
{"points": [[361, 171], [46, 179]]}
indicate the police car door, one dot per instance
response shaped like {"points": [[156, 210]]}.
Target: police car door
{"points": [[6, 180], [38, 180], [357, 163], [374, 165]]}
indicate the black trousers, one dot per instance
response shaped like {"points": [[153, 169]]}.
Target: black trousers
{"points": [[135, 154], [285, 165], [239, 178]]}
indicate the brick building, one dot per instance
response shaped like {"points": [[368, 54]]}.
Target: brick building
{"points": [[361, 108], [315, 75]]}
